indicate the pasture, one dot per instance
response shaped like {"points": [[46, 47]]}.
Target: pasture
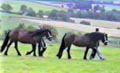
{"points": [[17, 4], [50, 64]]}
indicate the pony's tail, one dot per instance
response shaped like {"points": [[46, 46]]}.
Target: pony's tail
{"points": [[63, 42], [62, 46], [5, 42]]}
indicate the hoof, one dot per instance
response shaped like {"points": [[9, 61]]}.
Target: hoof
{"points": [[59, 57], [41, 56], [19, 55], [34, 55], [84, 58], [27, 53], [5, 54], [69, 58], [102, 59]]}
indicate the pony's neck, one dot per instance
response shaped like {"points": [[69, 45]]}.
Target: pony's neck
{"points": [[96, 36]]}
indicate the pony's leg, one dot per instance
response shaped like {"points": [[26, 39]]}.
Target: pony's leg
{"points": [[29, 52], [43, 50], [85, 54], [68, 51], [5, 53], [59, 55], [34, 49], [39, 49], [16, 47], [92, 55], [43, 45], [94, 50]]}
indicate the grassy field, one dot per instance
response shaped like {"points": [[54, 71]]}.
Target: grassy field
{"points": [[17, 4], [50, 64]]}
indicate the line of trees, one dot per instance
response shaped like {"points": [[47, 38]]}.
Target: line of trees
{"points": [[113, 15]]}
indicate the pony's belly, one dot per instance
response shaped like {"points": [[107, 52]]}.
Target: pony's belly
{"points": [[28, 41], [80, 45], [25, 40]]}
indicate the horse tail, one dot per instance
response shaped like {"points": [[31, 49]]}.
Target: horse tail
{"points": [[63, 42], [5, 42], [62, 46]]}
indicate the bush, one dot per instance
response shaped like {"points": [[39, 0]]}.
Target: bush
{"points": [[118, 28], [40, 14], [6, 8], [59, 15], [23, 9], [31, 12], [85, 22]]}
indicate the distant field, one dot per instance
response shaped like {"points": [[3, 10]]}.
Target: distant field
{"points": [[17, 4], [50, 64], [99, 23]]}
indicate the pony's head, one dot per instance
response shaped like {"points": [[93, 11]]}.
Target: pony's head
{"points": [[98, 36], [48, 34], [105, 39]]}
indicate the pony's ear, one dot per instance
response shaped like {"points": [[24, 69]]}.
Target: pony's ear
{"points": [[105, 34]]}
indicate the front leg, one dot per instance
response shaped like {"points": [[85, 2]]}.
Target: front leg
{"points": [[85, 54], [34, 49], [94, 50], [39, 49], [16, 47], [43, 45]]}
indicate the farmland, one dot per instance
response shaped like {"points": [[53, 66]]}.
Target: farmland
{"points": [[49, 63], [17, 4]]}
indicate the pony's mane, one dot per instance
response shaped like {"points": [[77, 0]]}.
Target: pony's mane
{"points": [[94, 35]]}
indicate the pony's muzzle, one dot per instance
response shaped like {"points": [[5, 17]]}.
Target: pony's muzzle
{"points": [[50, 38], [106, 43]]}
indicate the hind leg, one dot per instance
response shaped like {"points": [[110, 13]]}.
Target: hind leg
{"points": [[29, 52], [16, 47], [9, 44], [59, 55], [68, 51]]}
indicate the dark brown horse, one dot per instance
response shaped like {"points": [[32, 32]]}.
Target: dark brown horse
{"points": [[26, 37], [88, 40]]}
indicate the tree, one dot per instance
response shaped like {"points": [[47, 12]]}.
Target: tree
{"points": [[40, 13], [23, 9], [53, 14], [62, 15], [31, 12], [6, 8]]}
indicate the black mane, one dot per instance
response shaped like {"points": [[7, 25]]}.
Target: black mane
{"points": [[95, 35]]}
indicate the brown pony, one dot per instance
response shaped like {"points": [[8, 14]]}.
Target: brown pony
{"points": [[26, 37], [88, 40]]}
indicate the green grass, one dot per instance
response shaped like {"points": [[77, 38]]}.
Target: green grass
{"points": [[50, 64], [17, 4]]}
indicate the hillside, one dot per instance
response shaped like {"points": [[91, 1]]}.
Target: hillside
{"points": [[17, 4], [81, 0]]}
